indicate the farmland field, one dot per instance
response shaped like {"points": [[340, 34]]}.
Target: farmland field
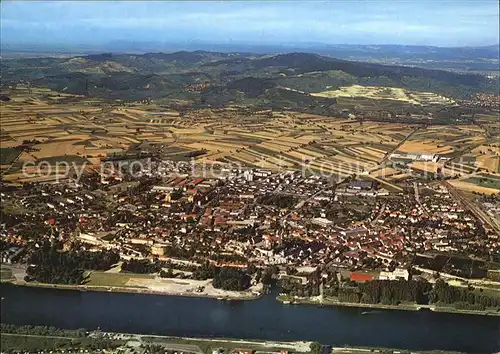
{"points": [[386, 93], [472, 187], [485, 181], [85, 131], [8, 155]]}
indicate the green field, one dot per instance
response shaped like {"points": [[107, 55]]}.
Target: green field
{"points": [[5, 273], [8, 155], [487, 117], [112, 279], [485, 181]]}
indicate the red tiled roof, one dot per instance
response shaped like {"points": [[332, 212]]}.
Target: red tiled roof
{"points": [[197, 181], [361, 277]]}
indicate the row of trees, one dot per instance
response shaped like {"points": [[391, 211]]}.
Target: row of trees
{"points": [[462, 298], [54, 274], [390, 292], [228, 258], [52, 255], [41, 330], [204, 272], [140, 266], [167, 274], [349, 295]]}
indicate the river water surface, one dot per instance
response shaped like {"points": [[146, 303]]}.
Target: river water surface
{"points": [[258, 319]]}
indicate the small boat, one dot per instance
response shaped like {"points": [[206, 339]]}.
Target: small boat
{"points": [[286, 302], [369, 312]]}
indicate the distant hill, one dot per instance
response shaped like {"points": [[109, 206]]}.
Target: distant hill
{"points": [[218, 78], [387, 52]]}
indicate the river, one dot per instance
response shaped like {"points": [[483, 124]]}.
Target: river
{"points": [[259, 319]]}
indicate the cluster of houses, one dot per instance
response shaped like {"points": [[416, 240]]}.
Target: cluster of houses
{"points": [[247, 217]]}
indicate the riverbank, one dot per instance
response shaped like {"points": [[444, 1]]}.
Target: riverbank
{"points": [[401, 307], [251, 294], [207, 345], [112, 281], [117, 342], [260, 346]]}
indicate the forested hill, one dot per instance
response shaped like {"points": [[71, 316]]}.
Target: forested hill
{"points": [[214, 78]]}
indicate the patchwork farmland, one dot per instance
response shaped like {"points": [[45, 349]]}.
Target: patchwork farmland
{"points": [[38, 124]]}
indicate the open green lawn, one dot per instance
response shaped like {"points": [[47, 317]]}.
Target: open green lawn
{"points": [[112, 279]]}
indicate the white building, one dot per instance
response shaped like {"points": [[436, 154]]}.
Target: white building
{"points": [[398, 274]]}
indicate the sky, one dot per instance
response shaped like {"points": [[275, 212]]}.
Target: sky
{"points": [[416, 22]]}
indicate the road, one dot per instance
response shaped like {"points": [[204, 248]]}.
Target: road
{"points": [[389, 153], [183, 348], [301, 203], [4, 172], [417, 198], [382, 209], [36, 336], [415, 188]]}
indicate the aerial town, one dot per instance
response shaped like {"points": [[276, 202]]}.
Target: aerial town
{"points": [[230, 203], [249, 177], [173, 220]]}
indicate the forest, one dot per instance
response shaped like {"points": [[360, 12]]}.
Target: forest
{"points": [[49, 264], [462, 298], [393, 292], [231, 279], [140, 266], [253, 80]]}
